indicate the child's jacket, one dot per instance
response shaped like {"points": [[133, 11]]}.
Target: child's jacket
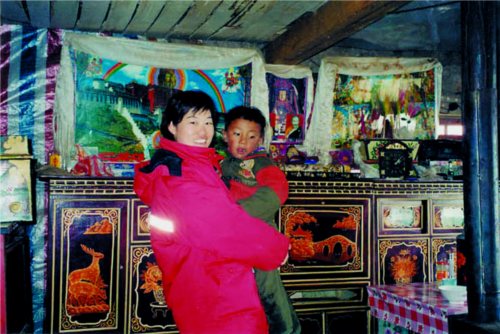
{"points": [[257, 184], [206, 245], [261, 187]]}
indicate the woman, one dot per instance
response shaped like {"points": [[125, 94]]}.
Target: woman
{"points": [[205, 244]]}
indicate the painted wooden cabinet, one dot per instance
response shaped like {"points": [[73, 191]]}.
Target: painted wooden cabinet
{"points": [[416, 227], [102, 273]]}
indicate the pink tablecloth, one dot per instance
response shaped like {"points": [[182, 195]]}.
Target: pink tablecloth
{"points": [[418, 307]]}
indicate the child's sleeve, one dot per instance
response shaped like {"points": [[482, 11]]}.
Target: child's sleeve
{"points": [[264, 200]]}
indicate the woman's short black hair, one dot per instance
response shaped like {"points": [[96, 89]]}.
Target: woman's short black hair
{"points": [[248, 113], [182, 102]]}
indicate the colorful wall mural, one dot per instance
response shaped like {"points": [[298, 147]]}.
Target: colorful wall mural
{"points": [[130, 99]]}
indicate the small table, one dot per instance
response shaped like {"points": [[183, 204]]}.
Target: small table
{"points": [[417, 307]]}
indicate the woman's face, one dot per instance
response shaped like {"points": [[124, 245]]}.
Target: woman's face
{"points": [[194, 129]]}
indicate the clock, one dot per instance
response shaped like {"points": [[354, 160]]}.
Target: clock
{"points": [[394, 160]]}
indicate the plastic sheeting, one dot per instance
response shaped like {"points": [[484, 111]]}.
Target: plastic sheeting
{"points": [[29, 62]]}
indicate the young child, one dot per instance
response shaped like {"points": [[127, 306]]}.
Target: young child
{"points": [[260, 188]]}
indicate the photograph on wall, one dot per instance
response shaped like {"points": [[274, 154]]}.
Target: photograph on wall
{"points": [[287, 106], [119, 106], [399, 106]]}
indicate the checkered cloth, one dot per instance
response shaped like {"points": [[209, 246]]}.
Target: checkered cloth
{"points": [[418, 307]]}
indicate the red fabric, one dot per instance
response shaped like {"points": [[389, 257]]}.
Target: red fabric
{"points": [[270, 176], [208, 256], [240, 191], [274, 178]]}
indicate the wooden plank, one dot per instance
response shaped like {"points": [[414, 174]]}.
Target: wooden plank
{"points": [[120, 14], [227, 12], [233, 29], [13, 12], [145, 15], [277, 19], [195, 17], [64, 14], [169, 16], [330, 24], [39, 12], [92, 15]]}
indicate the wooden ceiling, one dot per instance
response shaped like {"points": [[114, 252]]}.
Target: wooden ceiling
{"points": [[288, 32]]}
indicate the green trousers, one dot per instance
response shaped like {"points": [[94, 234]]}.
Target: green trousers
{"points": [[280, 314]]}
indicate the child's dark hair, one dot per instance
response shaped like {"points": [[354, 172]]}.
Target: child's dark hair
{"points": [[182, 102], [247, 113]]}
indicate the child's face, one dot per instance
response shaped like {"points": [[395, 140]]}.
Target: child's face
{"points": [[242, 137]]}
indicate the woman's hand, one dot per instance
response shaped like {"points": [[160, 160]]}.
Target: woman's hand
{"points": [[286, 257]]}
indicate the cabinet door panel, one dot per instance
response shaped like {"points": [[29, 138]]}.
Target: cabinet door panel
{"points": [[447, 216], [148, 311], [84, 257], [139, 224], [330, 238], [403, 261]]}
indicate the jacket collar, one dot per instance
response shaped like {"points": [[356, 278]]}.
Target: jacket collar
{"points": [[186, 152]]}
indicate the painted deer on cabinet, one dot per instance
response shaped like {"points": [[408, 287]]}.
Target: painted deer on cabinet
{"points": [[86, 288]]}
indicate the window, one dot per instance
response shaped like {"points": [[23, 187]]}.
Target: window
{"points": [[450, 128]]}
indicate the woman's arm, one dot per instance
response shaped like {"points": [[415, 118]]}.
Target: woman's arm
{"points": [[206, 217]]}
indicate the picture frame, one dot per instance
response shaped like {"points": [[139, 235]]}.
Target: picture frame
{"points": [[403, 261], [329, 238], [401, 216], [448, 216], [18, 196], [17, 204]]}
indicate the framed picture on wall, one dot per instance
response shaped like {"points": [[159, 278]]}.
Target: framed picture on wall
{"points": [[400, 216], [287, 108], [447, 216], [16, 192]]}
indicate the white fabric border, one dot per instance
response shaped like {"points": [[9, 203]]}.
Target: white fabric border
{"points": [[321, 122], [145, 53], [295, 72]]}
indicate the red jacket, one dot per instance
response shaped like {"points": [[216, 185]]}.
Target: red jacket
{"points": [[209, 247]]}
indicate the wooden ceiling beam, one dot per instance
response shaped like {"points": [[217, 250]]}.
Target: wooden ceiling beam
{"points": [[331, 23]]}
